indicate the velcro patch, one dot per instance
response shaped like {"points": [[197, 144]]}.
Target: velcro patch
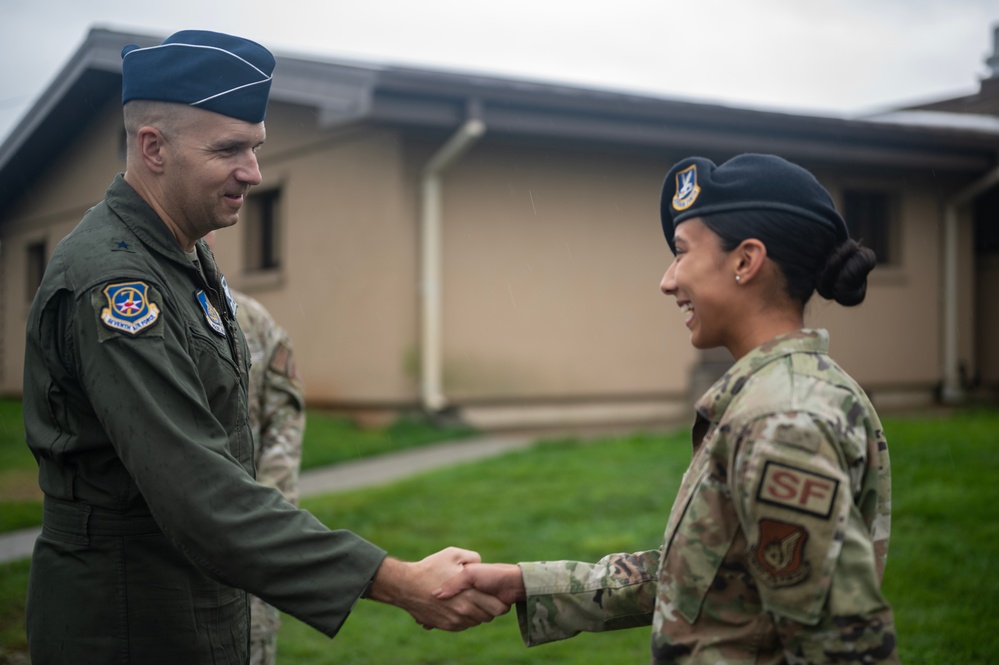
{"points": [[779, 555], [129, 308], [212, 317], [797, 489], [283, 361]]}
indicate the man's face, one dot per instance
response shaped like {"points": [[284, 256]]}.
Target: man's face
{"points": [[211, 165]]}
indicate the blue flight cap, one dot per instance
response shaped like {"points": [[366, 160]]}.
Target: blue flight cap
{"points": [[210, 70], [696, 187]]}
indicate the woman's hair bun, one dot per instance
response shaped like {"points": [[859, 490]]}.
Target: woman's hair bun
{"points": [[844, 278]]}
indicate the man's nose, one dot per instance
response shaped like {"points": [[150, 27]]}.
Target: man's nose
{"points": [[249, 171]]}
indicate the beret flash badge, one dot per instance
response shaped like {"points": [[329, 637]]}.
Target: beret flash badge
{"points": [[129, 310], [687, 188], [211, 314], [779, 555]]}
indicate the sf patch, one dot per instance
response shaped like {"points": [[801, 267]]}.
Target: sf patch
{"points": [[779, 555], [211, 314], [797, 489], [129, 308]]}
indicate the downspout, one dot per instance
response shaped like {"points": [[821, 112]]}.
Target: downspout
{"points": [[431, 360], [953, 391]]}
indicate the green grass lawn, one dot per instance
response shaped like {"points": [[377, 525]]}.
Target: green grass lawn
{"points": [[328, 440], [583, 500]]}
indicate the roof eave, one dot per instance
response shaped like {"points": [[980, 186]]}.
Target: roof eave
{"points": [[414, 98]]}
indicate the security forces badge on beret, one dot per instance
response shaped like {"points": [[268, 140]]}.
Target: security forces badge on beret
{"points": [[687, 188], [130, 308]]}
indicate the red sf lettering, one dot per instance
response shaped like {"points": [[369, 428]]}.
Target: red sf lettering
{"points": [[784, 485], [797, 489], [817, 488]]}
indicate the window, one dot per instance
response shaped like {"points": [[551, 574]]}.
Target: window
{"points": [[987, 224], [263, 227], [869, 215], [36, 267]]}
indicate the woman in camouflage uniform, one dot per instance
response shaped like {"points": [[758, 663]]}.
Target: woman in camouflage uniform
{"points": [[776, 544]]}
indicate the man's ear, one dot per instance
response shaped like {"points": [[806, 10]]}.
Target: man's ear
{"points": [[152, 148], [749, 258]]}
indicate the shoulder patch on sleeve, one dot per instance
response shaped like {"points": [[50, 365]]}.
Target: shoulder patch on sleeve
{"points": [[283, 360], [797, 489], [127, 307], [779, 555]]}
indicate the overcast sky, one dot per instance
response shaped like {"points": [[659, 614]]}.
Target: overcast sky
{"points": [[828, 57]]}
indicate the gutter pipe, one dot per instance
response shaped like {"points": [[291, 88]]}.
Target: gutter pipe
{"points": [[953, 391], [431, 357]]}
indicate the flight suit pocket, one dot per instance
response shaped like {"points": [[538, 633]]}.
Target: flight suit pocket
{"points": [[222, 383]]}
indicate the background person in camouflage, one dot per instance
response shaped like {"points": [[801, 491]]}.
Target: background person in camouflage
{"points": [[776, 543], [276, 399], [277, 419]]}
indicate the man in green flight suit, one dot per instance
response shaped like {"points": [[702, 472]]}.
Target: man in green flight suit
{"points": [[135, 405]]}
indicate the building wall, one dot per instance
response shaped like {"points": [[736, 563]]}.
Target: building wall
{"points": [[552, 259], [348, 291], [892, 341], [47, 212], [552, 264]]}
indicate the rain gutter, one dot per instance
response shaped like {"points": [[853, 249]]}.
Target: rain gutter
{"points": [[953, 391], [431, 358]]}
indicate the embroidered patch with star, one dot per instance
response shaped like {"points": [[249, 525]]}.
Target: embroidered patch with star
{"points": [[211, 314], [779, 556], [687, 188], [129, 309]]}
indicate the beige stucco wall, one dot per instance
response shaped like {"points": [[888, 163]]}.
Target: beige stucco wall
{"points": [[552, 259], [552, 263], [49, 210], [894, 337], [347, 292]]}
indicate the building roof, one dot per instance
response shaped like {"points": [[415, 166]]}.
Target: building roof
{"points": [[983, 102], [344, 92]]}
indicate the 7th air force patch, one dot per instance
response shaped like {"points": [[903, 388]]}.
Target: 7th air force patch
{"points": [[129, 308]]}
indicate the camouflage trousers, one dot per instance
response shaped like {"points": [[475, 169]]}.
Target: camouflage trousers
{"points": [[264, 623], [263, 652]]}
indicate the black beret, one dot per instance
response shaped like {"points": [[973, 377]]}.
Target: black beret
{"points": [[696, 187], [210, 70]]}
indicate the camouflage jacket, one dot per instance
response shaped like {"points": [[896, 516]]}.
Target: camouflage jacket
{"points": [[277, 422], [276, 399], [776, 543]]}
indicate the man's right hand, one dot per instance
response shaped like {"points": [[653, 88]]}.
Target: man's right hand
{"points": [[409, 586]]}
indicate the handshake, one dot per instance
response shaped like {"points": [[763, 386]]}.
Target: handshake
{"points": [[451, 590]]}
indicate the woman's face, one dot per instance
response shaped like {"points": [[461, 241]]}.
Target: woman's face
{"points": [[702, 279]]}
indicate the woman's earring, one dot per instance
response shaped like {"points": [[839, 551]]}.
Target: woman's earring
{"points": [[738, 278]]}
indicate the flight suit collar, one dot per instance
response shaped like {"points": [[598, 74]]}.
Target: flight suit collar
{"points": [[143, 221]]}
